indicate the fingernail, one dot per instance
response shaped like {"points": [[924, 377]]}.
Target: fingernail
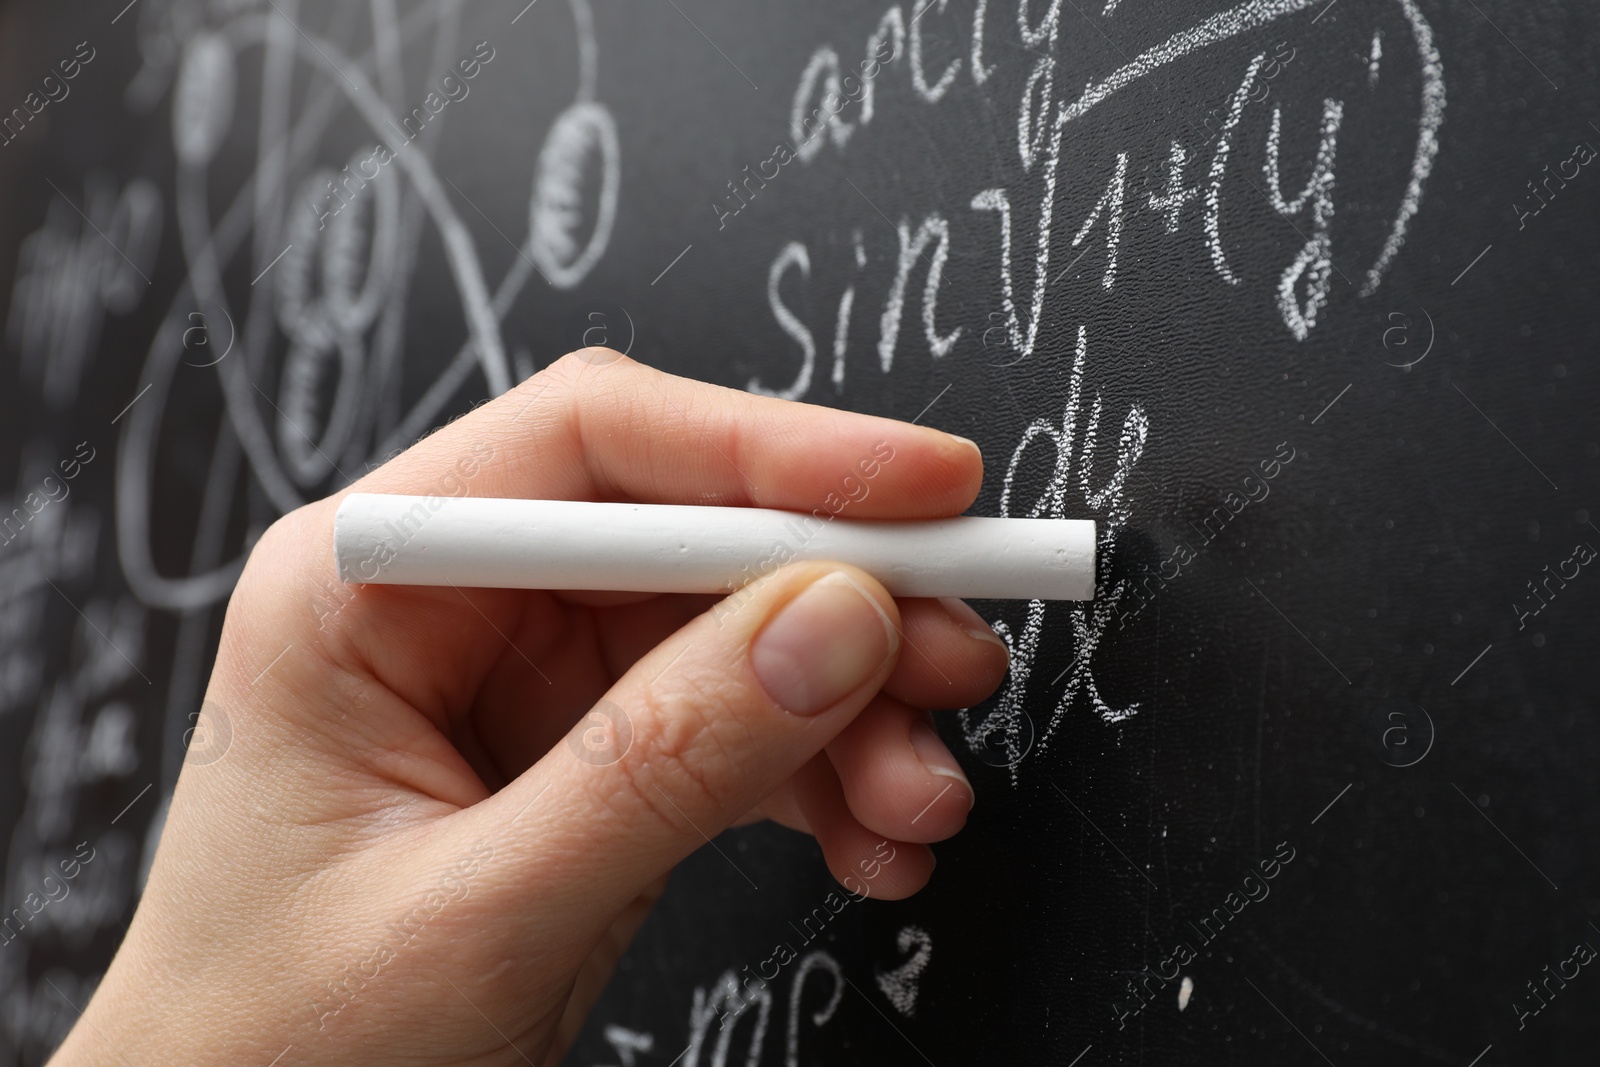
{"points": [[821, 645], [971, 442], [962, 614], [936, 757]]}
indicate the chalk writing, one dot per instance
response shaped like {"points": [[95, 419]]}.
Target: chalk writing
{"points": [[1074, 439], [1098, 225], [733, 1001], [900, 984], [75, 270], [456, 89], [333, 276], [628, 1044]]}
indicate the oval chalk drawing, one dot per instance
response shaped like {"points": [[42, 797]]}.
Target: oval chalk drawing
{"points": [[307, 440], [202, 100], [300, 314], [355, 252], [556, 215]]}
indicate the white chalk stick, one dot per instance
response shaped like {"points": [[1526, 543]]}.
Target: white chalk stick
{"points": [[663, 548]]}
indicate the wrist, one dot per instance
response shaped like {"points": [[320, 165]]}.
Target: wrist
{"points": [[144, 1014]]}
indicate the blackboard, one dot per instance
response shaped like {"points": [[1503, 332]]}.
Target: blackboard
{"points": [[1294, 297]]}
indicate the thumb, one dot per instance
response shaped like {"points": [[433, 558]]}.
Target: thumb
{"points": [[694, 735]]}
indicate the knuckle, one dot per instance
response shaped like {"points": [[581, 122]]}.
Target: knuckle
{"points": [[589, 357], [282, 546], [570, 381], [281, 530], [684, 740], [559, 376]]}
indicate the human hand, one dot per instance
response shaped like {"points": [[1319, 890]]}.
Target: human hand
{"points": [[410, 854]]}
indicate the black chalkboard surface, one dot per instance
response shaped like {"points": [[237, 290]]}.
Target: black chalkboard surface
{"points": [[1295, 297]]}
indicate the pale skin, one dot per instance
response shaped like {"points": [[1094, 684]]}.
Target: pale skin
{"points": [[411, 851]]}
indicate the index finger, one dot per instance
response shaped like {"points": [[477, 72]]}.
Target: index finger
{"points": [[596, 425]]}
